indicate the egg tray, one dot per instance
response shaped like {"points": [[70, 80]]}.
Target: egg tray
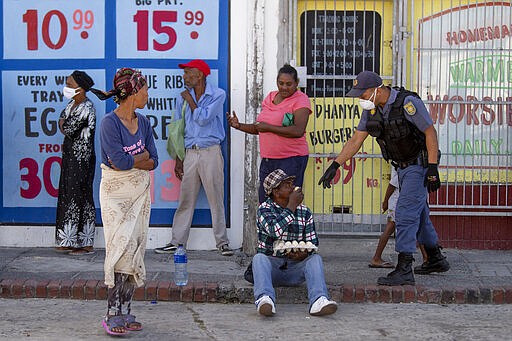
{"points": [[292, 246]]}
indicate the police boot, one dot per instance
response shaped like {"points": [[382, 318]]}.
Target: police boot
{"points": [[402, 274], [436, 262]]}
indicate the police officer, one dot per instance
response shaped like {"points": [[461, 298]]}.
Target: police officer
{"points": [[402, 126]]}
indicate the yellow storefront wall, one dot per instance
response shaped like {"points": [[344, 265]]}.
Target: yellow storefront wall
{"points": [[362, 181]]}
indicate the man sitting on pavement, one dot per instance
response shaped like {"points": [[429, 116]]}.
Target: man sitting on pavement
{"points": [[282, 217]]}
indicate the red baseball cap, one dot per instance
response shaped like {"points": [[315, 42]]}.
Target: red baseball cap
{"points": [[198, 64]]}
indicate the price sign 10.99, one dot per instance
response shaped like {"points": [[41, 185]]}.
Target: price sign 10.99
{"points": [[53, 29], [169, 29], [81, 20]]}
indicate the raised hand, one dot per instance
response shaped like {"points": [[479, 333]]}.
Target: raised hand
{"points": [[329, 174], [295, 199], [233, 120]]}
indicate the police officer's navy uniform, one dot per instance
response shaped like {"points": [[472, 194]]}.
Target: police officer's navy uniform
{"points": [[399, 128], [412, 211]]}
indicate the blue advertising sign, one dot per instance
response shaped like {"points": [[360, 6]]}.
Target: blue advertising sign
{"points": [[44, 41]]}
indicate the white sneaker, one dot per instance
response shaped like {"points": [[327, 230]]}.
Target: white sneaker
{"points": [[323, 306], [265, 306]]}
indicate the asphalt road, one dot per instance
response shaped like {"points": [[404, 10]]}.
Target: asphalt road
{"points": [[47, 319]]}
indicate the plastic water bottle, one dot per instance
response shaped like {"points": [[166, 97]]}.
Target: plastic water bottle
{"points": [[180, 266]]}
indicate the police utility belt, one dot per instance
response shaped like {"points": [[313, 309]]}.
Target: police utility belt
{"points": [[421, 160]]}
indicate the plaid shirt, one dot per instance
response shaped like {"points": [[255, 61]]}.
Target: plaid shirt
{"points": [[275, 222]]}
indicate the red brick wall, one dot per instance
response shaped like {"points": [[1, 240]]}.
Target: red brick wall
{"points": [[484, 195], [474, 232]]}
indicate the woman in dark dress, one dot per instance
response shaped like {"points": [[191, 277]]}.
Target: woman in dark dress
{"points": [[76, 215]]}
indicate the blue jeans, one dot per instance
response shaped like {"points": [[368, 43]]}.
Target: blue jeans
{"points": [[269, 271], [295, 165], [412, 212]]}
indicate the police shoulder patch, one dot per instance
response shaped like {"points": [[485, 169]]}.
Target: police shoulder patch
{"points": [[410, 108]]}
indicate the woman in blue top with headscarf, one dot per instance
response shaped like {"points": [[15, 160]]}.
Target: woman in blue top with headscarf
{"points": [[128, 153]]}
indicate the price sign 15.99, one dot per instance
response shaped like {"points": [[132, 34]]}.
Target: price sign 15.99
{"points": [[167, 28], [53, 29]]}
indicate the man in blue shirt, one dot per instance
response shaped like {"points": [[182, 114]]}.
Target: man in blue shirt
{"points": [[203, 163], [402, 126]]}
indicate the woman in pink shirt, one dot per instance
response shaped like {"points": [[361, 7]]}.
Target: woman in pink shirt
{"points": [[281, 126]]}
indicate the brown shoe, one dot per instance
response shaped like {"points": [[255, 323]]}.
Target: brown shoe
{"points": [[82, 251], [63, 249]]}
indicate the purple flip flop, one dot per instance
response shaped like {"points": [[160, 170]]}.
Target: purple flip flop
{"points": [[113, 322]]}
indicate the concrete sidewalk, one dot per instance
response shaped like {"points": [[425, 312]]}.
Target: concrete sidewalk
{"points": [[476, 276]]}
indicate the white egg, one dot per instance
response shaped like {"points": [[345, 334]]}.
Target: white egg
{"points": [[288, 246], [302, 245]]}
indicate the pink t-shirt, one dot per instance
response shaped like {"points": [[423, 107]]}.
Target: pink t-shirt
{"points": [[273, 146]]}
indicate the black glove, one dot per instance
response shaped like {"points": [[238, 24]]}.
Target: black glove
{"points": [[329, 174], [432, 181]]}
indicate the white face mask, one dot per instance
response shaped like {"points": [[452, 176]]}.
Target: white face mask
{"points": [[368, 104], [69, 93]]}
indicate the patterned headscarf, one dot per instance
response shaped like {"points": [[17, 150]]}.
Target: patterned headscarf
{"points": [[127, 82]]}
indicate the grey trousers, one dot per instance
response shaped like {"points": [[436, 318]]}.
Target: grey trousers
{"points": [[204, 167]]}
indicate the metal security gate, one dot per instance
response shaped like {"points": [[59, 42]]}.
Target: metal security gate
{"points": [[427, 47], [335, 41], [462, 67]]}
